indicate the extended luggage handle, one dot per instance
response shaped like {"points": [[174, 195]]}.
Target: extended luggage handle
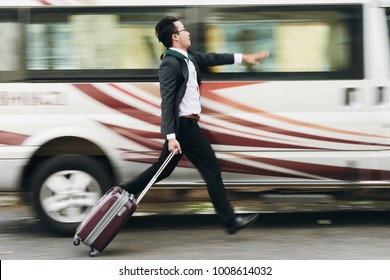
{"points": [[153, 180]]}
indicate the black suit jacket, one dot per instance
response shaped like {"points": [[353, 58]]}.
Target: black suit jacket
{"points": [[173, 77]]}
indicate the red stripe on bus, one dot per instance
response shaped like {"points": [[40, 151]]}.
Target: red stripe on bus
{"points": [[10, 138], [120, 106], [45, 3], [210, 87]]}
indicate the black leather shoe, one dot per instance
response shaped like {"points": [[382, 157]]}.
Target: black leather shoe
{"points": [[241, 222]]}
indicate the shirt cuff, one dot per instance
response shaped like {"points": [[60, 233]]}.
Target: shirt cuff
{"points": [[237, 58], [171, 136]]}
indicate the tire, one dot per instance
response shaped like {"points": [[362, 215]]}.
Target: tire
{"points": [[65, 188]]}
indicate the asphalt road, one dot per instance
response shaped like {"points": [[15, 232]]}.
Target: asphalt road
{"points": [[330, 235]]}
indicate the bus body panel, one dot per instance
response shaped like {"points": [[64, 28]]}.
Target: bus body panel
{"points": [[263, 130]]}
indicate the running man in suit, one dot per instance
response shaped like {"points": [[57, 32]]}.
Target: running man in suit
{"points": [[180, 78]]}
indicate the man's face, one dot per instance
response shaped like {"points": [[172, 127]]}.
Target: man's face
{"points": [[181, 39]]}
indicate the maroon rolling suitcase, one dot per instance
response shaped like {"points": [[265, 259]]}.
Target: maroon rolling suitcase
{"points": [[104, 221], [109, 215]]}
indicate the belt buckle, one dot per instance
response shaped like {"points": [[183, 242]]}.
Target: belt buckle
{"points": [[195, 117]]}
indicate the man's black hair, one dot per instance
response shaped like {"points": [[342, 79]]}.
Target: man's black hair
{"points": [[165, 29]]}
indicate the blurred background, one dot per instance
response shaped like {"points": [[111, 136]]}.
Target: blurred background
{"points": [[304, 133]]}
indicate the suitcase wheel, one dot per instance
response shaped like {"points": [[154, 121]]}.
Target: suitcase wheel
{"points": [[76, 242], [93, 253]]}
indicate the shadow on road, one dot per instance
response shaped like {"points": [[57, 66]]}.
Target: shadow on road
{"points": [[20, 220], [338, 218]]}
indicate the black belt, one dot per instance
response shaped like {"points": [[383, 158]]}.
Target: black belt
{"points": [[192, 116]]}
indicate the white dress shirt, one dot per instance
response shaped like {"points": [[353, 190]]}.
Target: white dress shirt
{"points": [[191, 100]]}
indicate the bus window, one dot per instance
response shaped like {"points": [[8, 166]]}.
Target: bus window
{"points": [[82, 39], [298, 40], [10, 46]]}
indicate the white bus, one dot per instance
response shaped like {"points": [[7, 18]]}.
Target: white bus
{"points": [[79, 97]]}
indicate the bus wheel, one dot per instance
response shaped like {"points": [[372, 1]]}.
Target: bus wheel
{"points": [[65, 188]]}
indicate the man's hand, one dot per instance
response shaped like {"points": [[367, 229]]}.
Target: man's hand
{"points": [[174, 144], [253, 59]]}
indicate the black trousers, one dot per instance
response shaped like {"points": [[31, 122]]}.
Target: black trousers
{"points": [[199, 151]]}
